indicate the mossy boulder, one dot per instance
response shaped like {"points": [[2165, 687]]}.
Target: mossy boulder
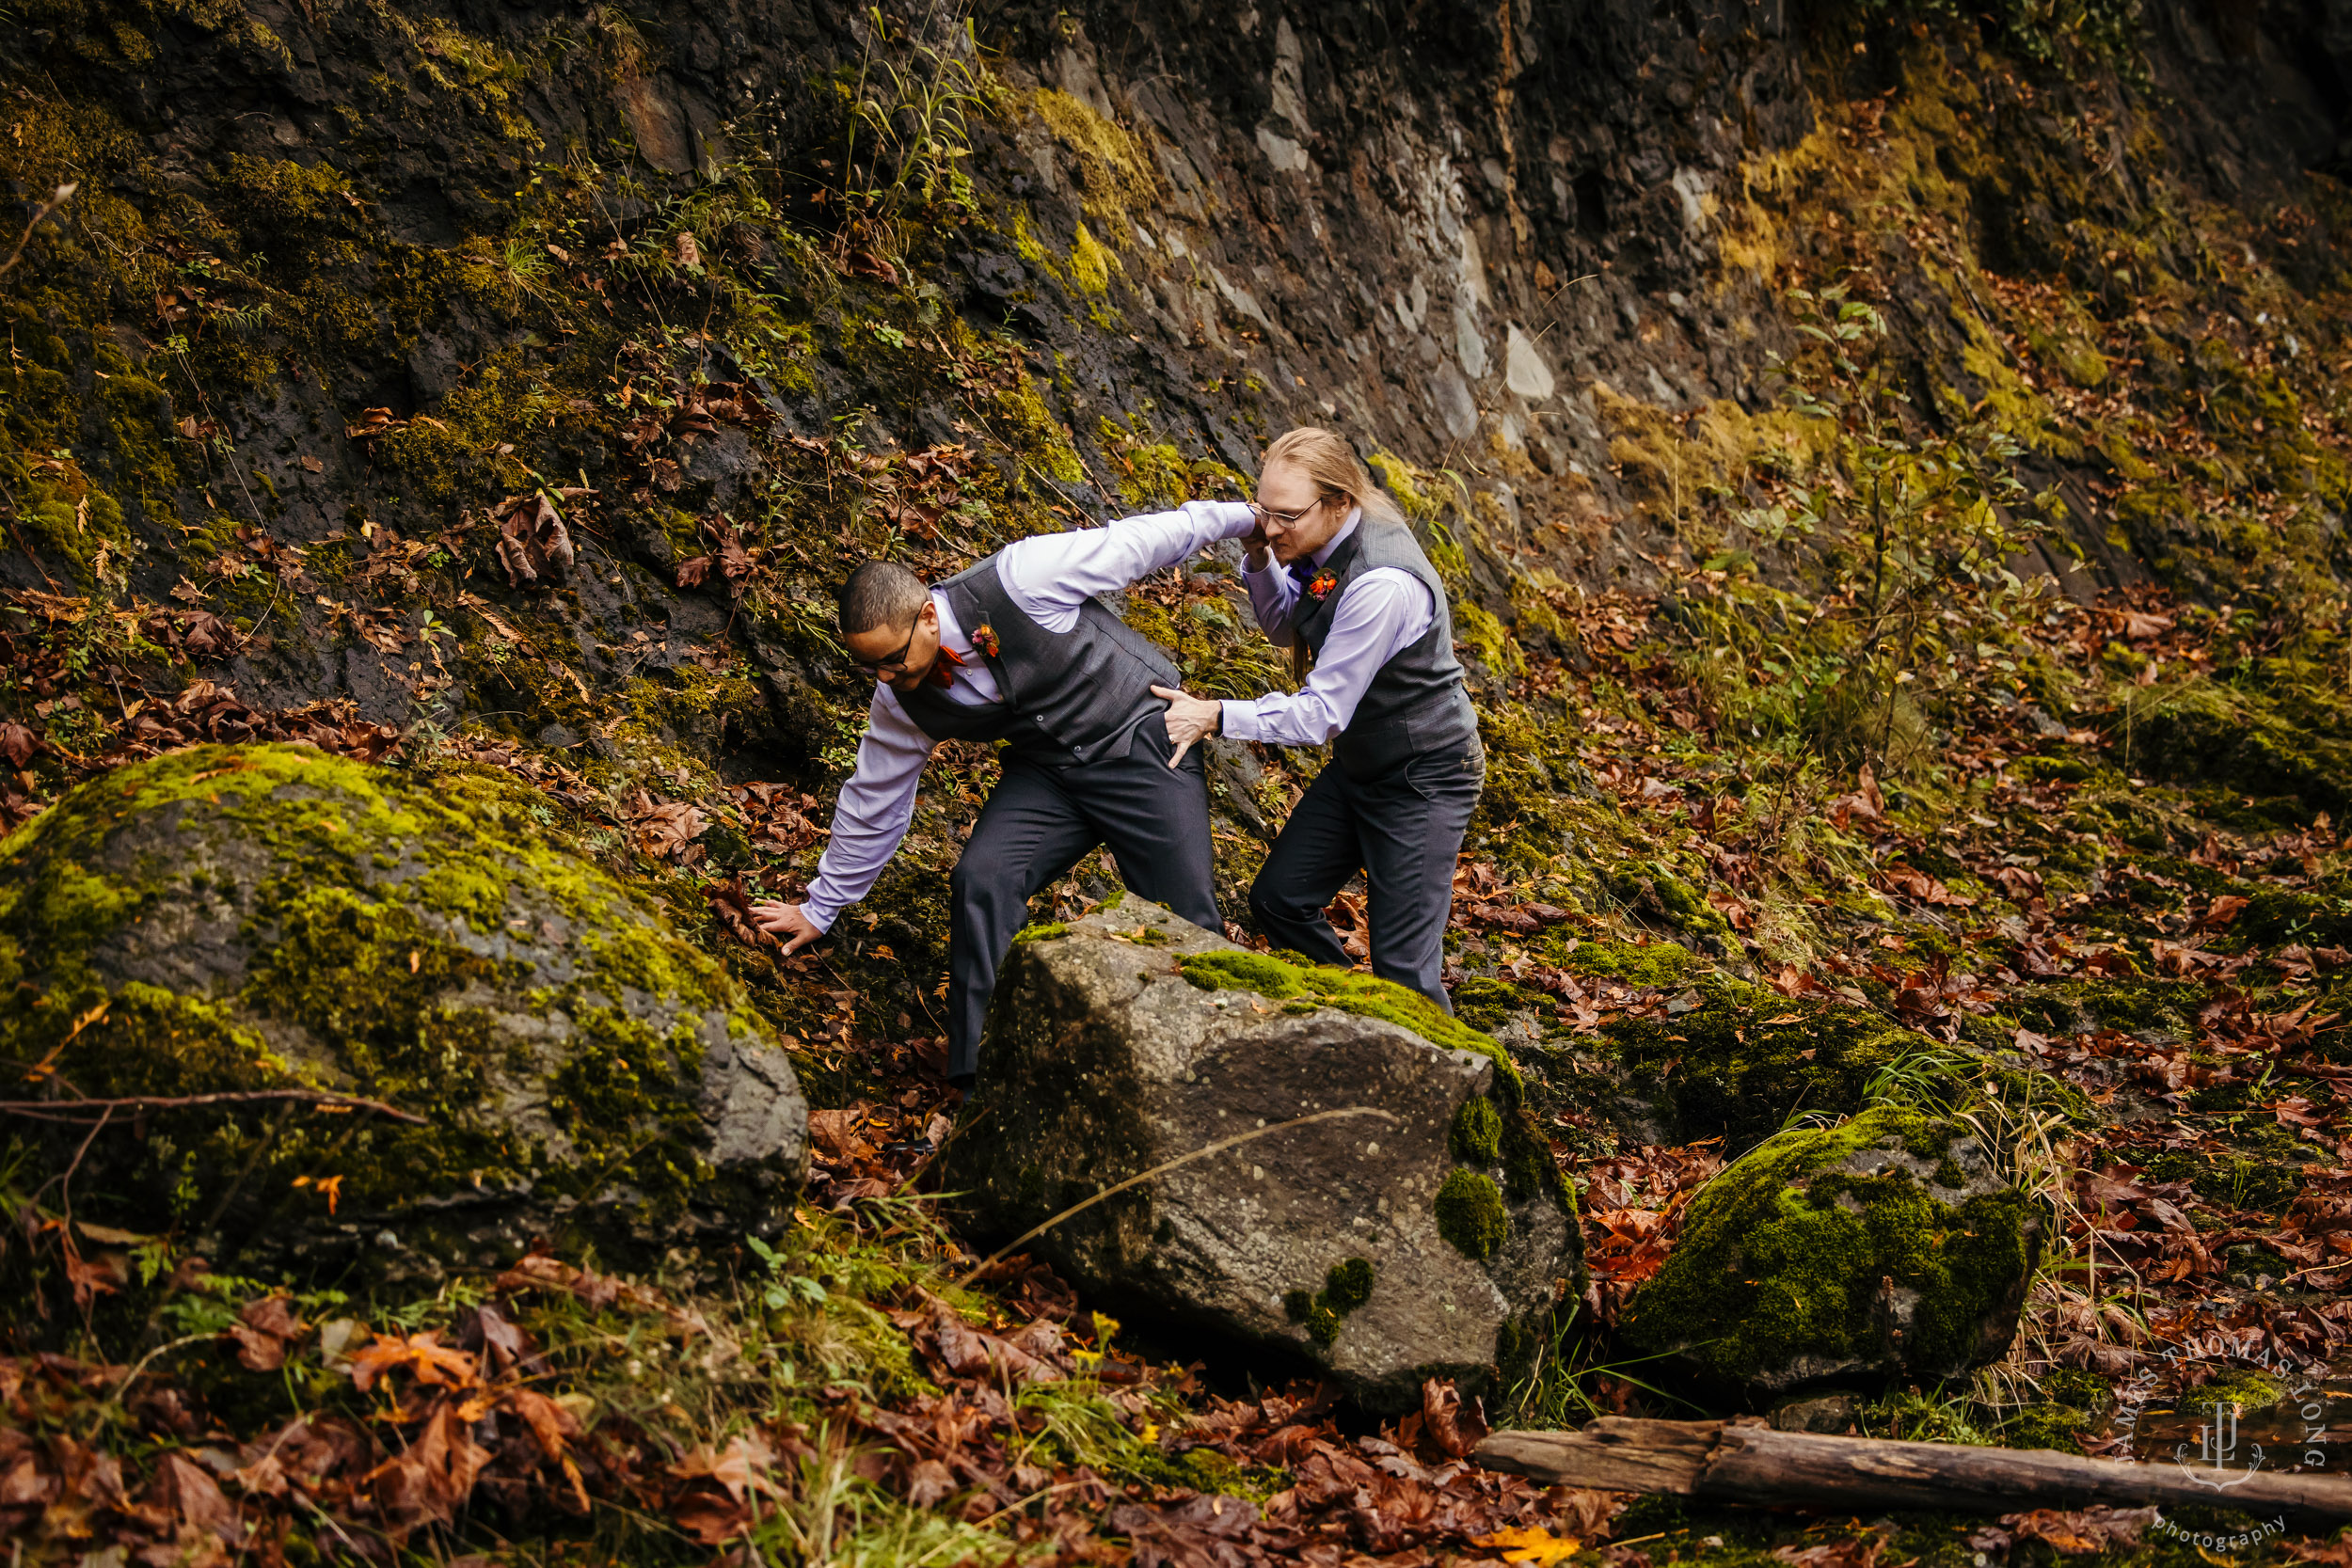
{"points": [[2275, 728], [1734, 1061], [1413, 1227], [231, 921], [1887, 1249]]}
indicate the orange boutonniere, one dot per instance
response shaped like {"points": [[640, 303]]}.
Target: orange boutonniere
{"points": [[984, 639], [1323, 584]]}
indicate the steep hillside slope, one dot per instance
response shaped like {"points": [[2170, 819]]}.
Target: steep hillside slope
{"points": [[1891, 467]]}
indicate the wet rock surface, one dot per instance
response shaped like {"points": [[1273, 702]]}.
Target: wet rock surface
{"points": [[244, 922], [1405, 1234]]}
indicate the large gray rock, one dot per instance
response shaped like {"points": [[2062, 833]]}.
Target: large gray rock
{"points": [[248, 920], [1418, 1229]]}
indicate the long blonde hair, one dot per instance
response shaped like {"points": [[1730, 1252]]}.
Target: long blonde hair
{"points": [[1329, 462], [1327, 459]]}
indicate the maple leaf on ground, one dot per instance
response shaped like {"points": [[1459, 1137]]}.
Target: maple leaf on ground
{"points": [[731, 902], [2226, 907], [929, 1483], [534, 547], [2071, 1532], [666, 827], [422, 1353], [262, 1331], [92, 1278], [1531, 1544], [969, 1352], [192, 1500], [433, 1480], [1455, 1426], [2337, 1553]]}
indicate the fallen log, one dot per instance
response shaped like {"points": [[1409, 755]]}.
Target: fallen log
{"points": [[1721, 1462]]}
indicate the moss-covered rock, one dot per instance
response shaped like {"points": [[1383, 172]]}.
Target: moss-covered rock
{"points": [[243, 921], [1885, 1248], [2276, 728], [1740, 1061]]}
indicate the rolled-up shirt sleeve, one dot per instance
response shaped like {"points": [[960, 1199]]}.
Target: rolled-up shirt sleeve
{"points": [[1380, 614], [875, 808]]}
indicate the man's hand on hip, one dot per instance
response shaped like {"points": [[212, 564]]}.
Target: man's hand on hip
{"points": [[1189, 717], [786, 921]]}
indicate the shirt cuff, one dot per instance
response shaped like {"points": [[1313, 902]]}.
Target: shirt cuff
{"points": [[1238, 719], [820, 912], [1234, 519]]}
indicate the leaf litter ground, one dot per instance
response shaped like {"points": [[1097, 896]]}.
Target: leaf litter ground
{"points": [[848, 1400]]}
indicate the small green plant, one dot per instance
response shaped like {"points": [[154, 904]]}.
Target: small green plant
{"points": [[1564, 1386], [1912, 525]]}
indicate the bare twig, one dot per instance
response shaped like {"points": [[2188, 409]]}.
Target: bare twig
{"points": [[81, 1110], [181, 1343], [1201, 1153], [63, 1182], [40, 210]]}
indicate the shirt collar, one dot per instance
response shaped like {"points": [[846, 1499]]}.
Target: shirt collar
{"points": [[950, 630], [1355, 515]]}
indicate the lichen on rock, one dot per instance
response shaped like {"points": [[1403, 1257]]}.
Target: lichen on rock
{"points": [[247, 920]]}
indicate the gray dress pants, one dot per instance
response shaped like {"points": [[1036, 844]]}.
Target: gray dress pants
{"points": [[1041, 820], [1403, 831]]}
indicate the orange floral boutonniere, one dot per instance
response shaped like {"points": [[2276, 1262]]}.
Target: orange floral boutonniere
{"points": [[1322, 585], [984, 639]]}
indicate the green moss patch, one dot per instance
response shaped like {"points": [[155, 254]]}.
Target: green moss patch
{"points": [[1477, 1133], [1793, 1257], [1284, 981], [1471, 1214], [1347, 1287]]}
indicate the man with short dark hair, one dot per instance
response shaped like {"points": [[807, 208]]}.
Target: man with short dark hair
{"points": [[1019, 649]]}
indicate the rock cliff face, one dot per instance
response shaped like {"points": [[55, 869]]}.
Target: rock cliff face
{"points": [[1533, 255]]}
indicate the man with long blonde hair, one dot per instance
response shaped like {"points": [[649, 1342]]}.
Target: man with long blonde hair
{"points": [[1334, 574]]}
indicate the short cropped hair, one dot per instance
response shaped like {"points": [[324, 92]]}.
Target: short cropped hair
{"points": [[880, 594]]}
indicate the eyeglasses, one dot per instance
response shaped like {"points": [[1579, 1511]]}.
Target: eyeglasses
{"points": [[892, 665], [1288, 520]]}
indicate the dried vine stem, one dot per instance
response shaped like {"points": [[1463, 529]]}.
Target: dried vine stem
{"points": [[83, 1109], [1201, 1153], [40, 210]]}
